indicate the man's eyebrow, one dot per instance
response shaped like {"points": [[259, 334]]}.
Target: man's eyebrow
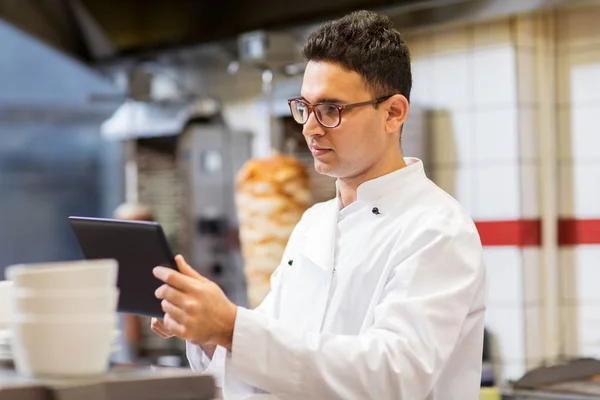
{"points": [[326, 100]]}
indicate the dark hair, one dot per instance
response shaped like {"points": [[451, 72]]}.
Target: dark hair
{"points": [[367, 43]]}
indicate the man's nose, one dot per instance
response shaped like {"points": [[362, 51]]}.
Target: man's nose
{"points": [[312, 126]]}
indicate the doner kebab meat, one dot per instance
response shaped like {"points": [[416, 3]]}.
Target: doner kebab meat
{"points": [[271, 195]]}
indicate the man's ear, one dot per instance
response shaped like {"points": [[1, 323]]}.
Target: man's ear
{"points": [[397, 110]]}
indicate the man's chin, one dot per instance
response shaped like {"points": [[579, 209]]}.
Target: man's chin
{"points": [[325, 169]]}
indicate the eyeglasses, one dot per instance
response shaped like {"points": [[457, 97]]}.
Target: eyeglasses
{"points": [[328, 114]]}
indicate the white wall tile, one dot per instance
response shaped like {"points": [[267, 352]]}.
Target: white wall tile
{"points": [[581, 311], [589, 325], [452, 138], [496, 135], [507, 326], [497, 192], [585, 77], [589, 350], [494, 73], [578, 76], [452, 81], [530, 204], [458, 182], [586, 190], [585, 132], [587, 259], [504, 266], [579, 190], [531, 275], [422, 90]]}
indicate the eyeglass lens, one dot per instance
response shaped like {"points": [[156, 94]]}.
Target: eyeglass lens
{"points": [[327, 114]]}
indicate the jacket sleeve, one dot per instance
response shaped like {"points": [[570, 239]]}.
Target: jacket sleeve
{"points": [[199, 360], [417, 322]]}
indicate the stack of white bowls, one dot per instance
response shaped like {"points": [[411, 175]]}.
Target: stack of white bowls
{"points": [[63, 318]]}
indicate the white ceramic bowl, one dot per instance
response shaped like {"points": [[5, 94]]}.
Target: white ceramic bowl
{"points": [[66, 302], [59, 348], [6, 290], [67, 275]]}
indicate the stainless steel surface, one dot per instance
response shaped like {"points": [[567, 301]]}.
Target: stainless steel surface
{"points": [[156, 119], [209, 156]]}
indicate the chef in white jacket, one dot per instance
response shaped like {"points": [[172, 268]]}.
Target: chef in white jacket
{"points": [[381, 292]]}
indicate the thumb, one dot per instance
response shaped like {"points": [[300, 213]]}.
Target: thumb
{"points": [[186, 268]]}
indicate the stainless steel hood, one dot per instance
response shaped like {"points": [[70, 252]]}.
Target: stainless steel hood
{"points": [[135, 119]]}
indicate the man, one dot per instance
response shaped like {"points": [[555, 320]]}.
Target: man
{"points": [[381, 292]]}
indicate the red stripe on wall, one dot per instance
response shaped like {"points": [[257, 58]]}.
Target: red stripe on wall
{"points": [[521, 233], [528, 232], [572, 232]]}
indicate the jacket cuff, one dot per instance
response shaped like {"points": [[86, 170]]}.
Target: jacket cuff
{"points": [[200, 362], [258, 352], [246, 333]]}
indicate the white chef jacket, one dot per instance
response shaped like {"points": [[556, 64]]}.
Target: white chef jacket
{"points": [[367, 304]]}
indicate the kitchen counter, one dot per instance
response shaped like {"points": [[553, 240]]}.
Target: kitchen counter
{"points": [[120, 383]]}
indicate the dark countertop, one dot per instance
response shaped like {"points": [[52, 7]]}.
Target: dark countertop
{"points": [[120, 383]]}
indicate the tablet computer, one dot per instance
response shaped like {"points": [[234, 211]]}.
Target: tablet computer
{"points": [[138, 246]]}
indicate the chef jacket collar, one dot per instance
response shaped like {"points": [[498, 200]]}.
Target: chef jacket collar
{"points": [[319, 239], [374, 189]]}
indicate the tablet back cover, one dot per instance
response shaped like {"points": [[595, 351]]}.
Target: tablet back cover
{"points": [[138, 246]]}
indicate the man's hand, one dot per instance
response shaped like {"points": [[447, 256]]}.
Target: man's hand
{"points": [[196, 309], [159, 328]]}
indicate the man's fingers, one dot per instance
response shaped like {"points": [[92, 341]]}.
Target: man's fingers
{"points": [[157, 327], [174, 327], [187, 269], [184, 279], [184, 267], [174, 278], [171, 294], [175, 312]]}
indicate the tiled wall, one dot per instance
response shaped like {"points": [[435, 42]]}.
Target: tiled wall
{"points": [[489, 113], [578, 114], [467, 78]]}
